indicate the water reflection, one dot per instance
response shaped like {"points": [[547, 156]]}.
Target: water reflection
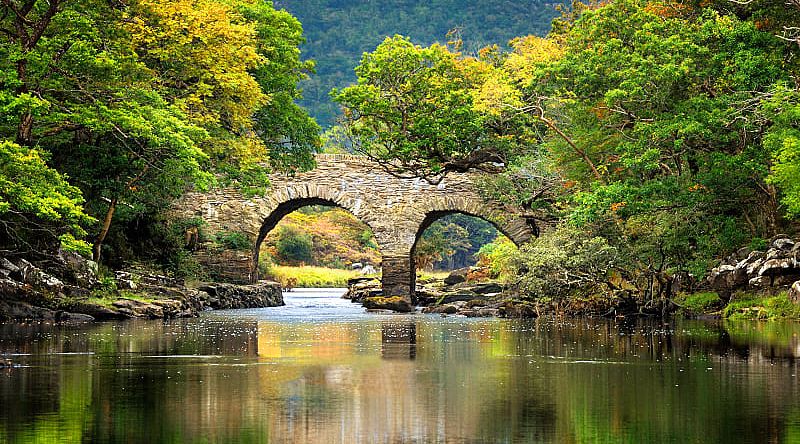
{"points": [[400, 379], [399, 340]]}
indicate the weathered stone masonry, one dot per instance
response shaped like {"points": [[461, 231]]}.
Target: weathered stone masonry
{"points": [[397, 210]]}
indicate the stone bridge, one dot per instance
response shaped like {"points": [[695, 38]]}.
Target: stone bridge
{"points": [[397, 210]]}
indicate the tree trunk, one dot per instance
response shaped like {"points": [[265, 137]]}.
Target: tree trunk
{"points": [[98, 243]]}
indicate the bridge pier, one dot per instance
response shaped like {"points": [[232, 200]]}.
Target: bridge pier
{"points": [[398, 276]]}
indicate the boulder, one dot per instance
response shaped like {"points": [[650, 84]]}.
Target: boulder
{"points": [[368, 269], [721, 278], [83, 271], [488, 312], [394, 303], [225, 296], [8, 265], [457, 276], [65, 316], [759, 282], [446, 309], [515, 309], [784, 244], [777, 267], [458, 295], [479, 288], [794, 292]]}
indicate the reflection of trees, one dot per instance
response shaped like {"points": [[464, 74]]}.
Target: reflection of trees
{"points": [[401, 379]]}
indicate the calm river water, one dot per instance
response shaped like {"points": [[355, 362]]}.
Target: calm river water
{"points": [[321, 371]]}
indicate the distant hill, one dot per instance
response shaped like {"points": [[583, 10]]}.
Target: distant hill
{"points": [[338, 32]]}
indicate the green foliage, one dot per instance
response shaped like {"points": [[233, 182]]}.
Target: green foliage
{"points": [[499, 256], [783, 142], [33, 194], [293, 246], [747, 306], [426, 111], [312, 277], [233, 240], [564, 262], [662, 109], [138, 102], [441, 240], [699, 302]]}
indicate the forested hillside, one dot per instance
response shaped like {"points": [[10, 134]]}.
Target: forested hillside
{"points": [[338, 31]]}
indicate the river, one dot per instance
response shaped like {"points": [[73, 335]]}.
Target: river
{"points": [[320, 370]]}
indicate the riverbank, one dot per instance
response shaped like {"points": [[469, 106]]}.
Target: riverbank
{"points": [[756, 285], [69, 290]]}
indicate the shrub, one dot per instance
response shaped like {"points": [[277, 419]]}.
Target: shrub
{"points": [[293, 245], [564, 262], [232, 240]]}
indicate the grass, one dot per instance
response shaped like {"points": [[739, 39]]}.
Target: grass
{"points": [[699, 302], [312, 277], [747, 306]]}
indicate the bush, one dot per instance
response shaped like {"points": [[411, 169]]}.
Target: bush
{"points": [[564, 262], [293, 245], [498, 256], [232, 240]]}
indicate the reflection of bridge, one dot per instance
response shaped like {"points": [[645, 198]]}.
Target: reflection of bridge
{"points": [[397, 210]]}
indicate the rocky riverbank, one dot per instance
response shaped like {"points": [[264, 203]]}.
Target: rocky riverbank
{"points": [[453, 295], [68, 290], [766, 283], [775, 270]]}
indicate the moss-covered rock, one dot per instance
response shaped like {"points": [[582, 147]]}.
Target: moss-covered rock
{"points": [[394, 303]]}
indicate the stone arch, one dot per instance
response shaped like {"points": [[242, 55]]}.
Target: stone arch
{"points": [[514, 227], [293, 197]]}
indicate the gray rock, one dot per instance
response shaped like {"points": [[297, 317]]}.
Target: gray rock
{"points": [[721, 278], [775, 253], [759, 282], [8, 265], [262, 294], [394, 303], [82, 270], [479, 288], [488, 312], [794, 292], [446, 309], [459, 296], [783, 243], [65, 316], [777, 267]]}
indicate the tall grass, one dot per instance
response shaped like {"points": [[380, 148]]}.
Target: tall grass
{"points": [[312, 277]]}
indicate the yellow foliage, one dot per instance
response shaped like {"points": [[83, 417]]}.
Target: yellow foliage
{"points": [[529, 53], [202, 52]]}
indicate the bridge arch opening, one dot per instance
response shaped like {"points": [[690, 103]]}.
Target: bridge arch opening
{"points": [[451, 239], [315, 231]]}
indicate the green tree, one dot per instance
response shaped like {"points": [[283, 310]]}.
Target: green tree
{"points": [[138, 102], [660, 145], [440, 241], [425, 111], [35, 198]]}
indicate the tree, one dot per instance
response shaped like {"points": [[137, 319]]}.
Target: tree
{"points": [[656, 100], [35, 198], [425, 111], [139, 102], [440, 241]]}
